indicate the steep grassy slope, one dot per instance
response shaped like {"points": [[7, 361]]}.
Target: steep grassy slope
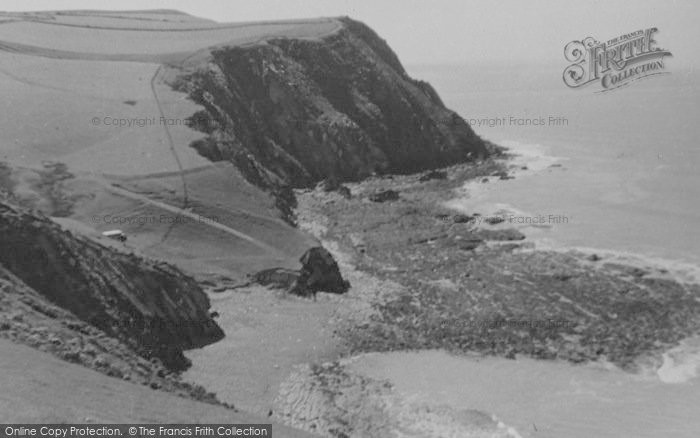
{"points": [[83, 60], [37, 388]]}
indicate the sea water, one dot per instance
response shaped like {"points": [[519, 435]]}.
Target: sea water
{"points": [[542, 399], [621, 167], [629, 178]]}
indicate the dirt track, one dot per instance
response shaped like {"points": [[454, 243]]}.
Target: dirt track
{"points": [[195, 216]]}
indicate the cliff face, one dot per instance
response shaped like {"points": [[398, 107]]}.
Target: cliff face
{"points": [[296, 111], [27, 317], [152, 307]]}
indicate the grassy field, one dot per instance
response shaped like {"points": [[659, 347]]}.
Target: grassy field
{"points": [[135, 40], [38, 388], [87, 89]]}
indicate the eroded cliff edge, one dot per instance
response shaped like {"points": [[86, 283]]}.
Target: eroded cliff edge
{"points": [[291, 112]]}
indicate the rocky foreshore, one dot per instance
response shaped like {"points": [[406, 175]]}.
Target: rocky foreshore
{"points": [[427, 277], [477, 286], [319, 398]]}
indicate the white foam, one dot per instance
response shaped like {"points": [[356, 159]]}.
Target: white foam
{"points": [[682, 363], [535, 156], [679, 270], [473, 196], [509, 430], [528, 159]]}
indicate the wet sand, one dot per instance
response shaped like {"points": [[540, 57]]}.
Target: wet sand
{"points": [[267, 334]]}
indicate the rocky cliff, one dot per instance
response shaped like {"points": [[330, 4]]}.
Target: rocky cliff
{"points": [[292, 111], [151, 307], [27, 317]]}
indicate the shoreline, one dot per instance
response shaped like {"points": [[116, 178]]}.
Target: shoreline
{"points": [[407, 295], [359, 229], [679, 363], [499, 240], [528, 160]]}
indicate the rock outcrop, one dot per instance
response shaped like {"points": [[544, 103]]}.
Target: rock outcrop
{"points": [[293, 111], [279, 278], [28, 318], [150, 306], [319, 273]]}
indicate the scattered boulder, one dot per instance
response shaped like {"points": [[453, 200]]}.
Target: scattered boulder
{"points": [[384, 196], [502, 174], [344, 192], [462, 218], [433, 174], [509, 247], [333, 185], [442, 217], [494, 220], [562, 277], [636, 272], [470, 245], [508, 234], [329, 184], [279, 278], [426, 238], [319, 273], [628, 270]]}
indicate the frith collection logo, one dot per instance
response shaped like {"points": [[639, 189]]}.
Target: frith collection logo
{"points": [[616, 62]]}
